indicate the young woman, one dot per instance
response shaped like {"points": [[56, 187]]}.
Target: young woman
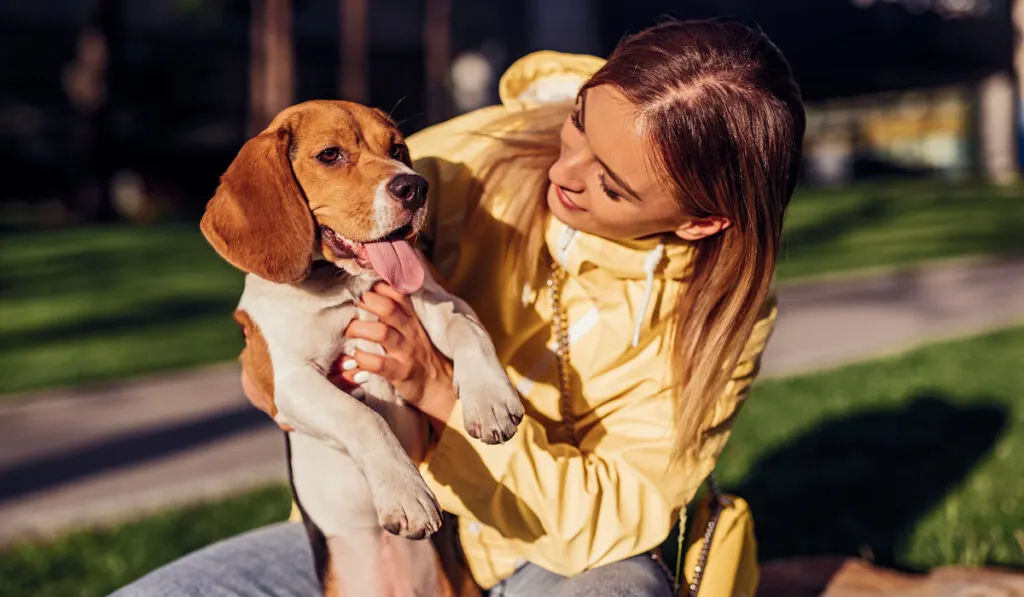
{"points": [[637, 204]]}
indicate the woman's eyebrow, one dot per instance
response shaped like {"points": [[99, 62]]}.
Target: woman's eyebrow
{"points": [[618, 179], [612, 175]]}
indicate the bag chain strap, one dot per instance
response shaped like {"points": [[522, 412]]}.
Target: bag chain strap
{"points": [[560, 328]]}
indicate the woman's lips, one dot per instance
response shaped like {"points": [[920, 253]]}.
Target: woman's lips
{"points": [[566, 201]]}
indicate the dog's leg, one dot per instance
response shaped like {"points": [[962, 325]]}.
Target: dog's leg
{"points": [[315, 535], [373, 564], [313, 406], [340, 517], [490, 405], [406, 423]]}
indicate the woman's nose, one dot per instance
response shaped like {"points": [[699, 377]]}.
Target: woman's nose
{"points": [[567, 172]]}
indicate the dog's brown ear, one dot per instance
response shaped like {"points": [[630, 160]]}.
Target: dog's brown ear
{"points": [[258, 220]]}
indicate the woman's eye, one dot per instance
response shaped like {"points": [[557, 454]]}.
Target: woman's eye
{"points": [[329, 155], [576, 120], [399, 152], [614, 196]]}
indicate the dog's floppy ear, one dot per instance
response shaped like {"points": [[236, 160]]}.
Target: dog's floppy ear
{"points": [[258, 220]]}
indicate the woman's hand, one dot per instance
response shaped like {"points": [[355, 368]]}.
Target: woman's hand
{"points": [[411, 363]]}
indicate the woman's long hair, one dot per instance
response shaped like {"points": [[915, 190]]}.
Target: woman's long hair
{"points": [[726, 126]]}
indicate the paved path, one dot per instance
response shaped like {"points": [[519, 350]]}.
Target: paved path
{"points": [[110, 451]]}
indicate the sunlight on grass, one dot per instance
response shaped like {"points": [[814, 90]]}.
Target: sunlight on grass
{"points": [[914, 459], [86, 305], [94, 563], [873, 225]]}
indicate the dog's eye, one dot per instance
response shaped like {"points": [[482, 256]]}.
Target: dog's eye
{"points": [[329, 155], [399, 152]]}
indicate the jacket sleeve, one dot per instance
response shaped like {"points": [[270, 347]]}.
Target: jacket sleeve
{"points": [[573, 508]]}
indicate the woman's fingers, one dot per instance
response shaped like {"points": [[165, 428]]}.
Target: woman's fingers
{"points": [[402, 300], [374, 331], [357, 369], [390, 311]]}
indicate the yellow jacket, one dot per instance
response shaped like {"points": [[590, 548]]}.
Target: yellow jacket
{"points": [[563, 506]]}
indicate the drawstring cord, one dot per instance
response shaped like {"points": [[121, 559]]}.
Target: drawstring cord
{"points": [[651, 263]]}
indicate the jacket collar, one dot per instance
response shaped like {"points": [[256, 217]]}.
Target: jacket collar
{"points": [[579, 253]]}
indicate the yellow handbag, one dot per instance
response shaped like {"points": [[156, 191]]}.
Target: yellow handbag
{"points": [[722, 558], [721, 552]]}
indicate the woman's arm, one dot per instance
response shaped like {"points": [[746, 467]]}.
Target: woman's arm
{"points": [[610, 496]]}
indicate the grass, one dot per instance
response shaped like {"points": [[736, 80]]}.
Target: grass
{"points": [[890, 224], [96, 562], [81, 306], [912, 460]]}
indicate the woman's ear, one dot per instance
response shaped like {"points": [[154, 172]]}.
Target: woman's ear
{"points": [[259, 220], [702, 227]]}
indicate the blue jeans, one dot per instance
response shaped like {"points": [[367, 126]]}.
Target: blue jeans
{"points": [[275, 561]]}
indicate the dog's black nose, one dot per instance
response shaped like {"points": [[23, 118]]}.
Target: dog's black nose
{"points": [[410, 189]]}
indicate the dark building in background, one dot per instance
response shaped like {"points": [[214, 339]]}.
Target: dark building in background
{"points": [[175, 81]]}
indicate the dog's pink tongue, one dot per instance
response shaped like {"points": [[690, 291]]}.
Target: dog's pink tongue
{"points": [[397, 263]]}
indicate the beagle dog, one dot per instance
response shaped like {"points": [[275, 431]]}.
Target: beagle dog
{"points": [[316, 209]]}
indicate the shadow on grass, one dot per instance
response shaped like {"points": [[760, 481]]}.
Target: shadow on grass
{"points": [[877, 225], [129, 263], [872, 211], [165, 312], [858, 484]]}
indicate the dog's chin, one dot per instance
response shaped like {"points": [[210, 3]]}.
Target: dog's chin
{"points": [[354, 268], [351, 255]]}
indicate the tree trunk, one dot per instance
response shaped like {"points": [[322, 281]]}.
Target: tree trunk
{"points": [[437, 52], [354, 48], [1017, 15], [271, 62], [87, 82]]}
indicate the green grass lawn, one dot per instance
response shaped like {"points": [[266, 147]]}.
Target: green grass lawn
{"points": [[95, 563], [878, 225], [79, 306], [86, 305], [914, 460]]}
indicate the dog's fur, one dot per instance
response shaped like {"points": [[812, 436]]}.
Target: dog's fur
{"points": [[277, 215]]}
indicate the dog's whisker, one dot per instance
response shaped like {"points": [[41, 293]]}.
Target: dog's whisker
{"points": [[391, 112]]}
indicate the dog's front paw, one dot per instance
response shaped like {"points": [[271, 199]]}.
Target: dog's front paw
{"points": [[408, 508], [491, 410]]}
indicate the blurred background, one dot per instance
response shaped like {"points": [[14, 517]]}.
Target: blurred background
{"points": [[117, 109], [886, 427]]}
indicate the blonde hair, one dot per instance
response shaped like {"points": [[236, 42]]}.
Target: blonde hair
{"points": [[515, 168]]}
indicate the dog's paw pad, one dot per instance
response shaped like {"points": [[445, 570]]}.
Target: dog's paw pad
{"points": [[492, 416], [410, 511]]}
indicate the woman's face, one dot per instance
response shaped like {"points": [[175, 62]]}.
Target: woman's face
{"points": [[606, 181]]}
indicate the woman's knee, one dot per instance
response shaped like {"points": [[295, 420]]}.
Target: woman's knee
{"points": [[272, 561], [639, 576]]}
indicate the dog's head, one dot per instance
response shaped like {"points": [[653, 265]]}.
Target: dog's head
{"points": [[326, 179]]}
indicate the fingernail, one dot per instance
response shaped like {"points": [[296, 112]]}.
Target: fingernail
{"points": [[361, 377], [359, 393], [349, 364]]}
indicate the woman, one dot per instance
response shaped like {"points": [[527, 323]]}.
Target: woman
{"points": [[649, 212]]}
